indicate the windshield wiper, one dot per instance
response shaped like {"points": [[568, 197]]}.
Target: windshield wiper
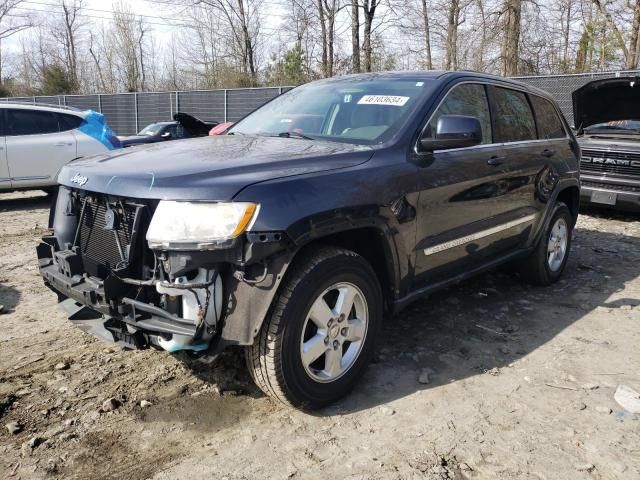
{"points": [[294, 134]]}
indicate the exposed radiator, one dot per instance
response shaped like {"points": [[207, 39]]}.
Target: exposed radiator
{"points": [[106, 241]]}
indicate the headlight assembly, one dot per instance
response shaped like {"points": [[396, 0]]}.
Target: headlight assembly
{"points": [[198, 225]]}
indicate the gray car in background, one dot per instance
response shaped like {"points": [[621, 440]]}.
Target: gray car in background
{"points": [[607, 117]]}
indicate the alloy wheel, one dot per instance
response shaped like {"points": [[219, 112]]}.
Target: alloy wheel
{"points": [[334, 331], [557, 245]]}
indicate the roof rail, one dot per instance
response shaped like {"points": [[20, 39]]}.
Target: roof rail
{"points": [[38, 104]]}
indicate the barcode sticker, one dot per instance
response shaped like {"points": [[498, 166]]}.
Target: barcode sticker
{"points": [[393, 100]]}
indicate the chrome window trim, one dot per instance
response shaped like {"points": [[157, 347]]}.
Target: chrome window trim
{"points": [[485, 83], [478, 235]]}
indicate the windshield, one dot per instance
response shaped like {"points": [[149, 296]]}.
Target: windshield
{"points": [[151, 130], [631, 125], [353, 110]]}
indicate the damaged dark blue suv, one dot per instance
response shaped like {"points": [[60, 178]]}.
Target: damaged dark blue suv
{"points": [[293, 235]]}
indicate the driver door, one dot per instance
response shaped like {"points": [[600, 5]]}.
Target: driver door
{"points": [[464, 208]]}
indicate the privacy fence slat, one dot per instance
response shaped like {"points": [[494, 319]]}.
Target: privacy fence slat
{"points": [[127, 113]]}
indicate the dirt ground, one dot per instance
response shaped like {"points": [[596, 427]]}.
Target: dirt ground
{"points": [[521, 384]]}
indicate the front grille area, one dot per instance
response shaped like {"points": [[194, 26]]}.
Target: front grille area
{"points": [[609, 186], [600, 161], [106, 243], [101, 244]]}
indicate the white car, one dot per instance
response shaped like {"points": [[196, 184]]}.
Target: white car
{"points": [[36, 141]]}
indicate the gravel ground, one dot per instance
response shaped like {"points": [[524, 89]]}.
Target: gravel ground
{"points": [[488, 379]]}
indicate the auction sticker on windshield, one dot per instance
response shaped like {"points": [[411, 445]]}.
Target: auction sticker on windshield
{"points": [[394, 100]]}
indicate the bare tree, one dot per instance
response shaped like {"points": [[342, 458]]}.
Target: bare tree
{"points": [[413, 19], [511, 36], [65, 32], [129, 38], [12, 21], [305, 35], [453, 23], [355, 36], [426, 33], [630, 50], [243, 21], [369, 8], [327, 11]]}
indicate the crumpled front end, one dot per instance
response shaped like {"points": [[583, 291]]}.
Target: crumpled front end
{"points": [[112, 285]]}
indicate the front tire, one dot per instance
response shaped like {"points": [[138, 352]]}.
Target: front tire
{"points": [[319, 337], [545, 264]]}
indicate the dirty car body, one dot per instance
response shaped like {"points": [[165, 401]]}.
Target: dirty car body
{"points": [[607, 115], [205, 243]]}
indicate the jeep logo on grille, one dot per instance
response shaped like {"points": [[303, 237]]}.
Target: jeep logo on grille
{"points": [[611, 161], [79, 179]]}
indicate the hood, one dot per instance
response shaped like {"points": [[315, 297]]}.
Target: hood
{"points": [[136, 139], [606, 100], [206, 168], [193, 125]]}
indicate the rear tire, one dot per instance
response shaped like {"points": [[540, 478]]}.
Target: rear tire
{"points": [[545, 264], [319, 336]]}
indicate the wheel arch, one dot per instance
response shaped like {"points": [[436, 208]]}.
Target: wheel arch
{"points": [[250, 304], [570, 196], [375, 245]]}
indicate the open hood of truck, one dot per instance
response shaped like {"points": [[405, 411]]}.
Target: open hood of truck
{"points": [[206, 168], [606, 100]]}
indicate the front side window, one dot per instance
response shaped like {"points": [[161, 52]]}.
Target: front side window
{"points": [[549, 123], [466, 99], [352, 110], [30, 122], [151, 130], [513, 117]]}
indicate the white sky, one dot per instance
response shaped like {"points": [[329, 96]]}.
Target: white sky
{"points": [[157, 15]]}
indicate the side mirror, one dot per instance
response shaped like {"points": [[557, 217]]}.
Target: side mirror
{"points": [[454, 131], [166, 135]]}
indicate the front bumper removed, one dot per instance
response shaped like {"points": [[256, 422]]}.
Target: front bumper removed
{"points": [[95, 306]]}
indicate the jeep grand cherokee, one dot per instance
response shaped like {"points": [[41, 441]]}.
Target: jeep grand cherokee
{"points": [[292, 235]]}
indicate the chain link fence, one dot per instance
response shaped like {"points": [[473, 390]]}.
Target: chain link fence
{"points": [[128, 113]]}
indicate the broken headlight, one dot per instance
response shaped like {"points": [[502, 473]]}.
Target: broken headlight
{"points": [[198, 225]]}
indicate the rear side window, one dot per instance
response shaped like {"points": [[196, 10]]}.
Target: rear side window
{"points": [[69, 122], [31, 122], [513, 117], [549, 123], [466, 99]]}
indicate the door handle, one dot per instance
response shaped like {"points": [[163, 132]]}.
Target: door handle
{"points": [[548, 153], [495, 161], [62, 144]]}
